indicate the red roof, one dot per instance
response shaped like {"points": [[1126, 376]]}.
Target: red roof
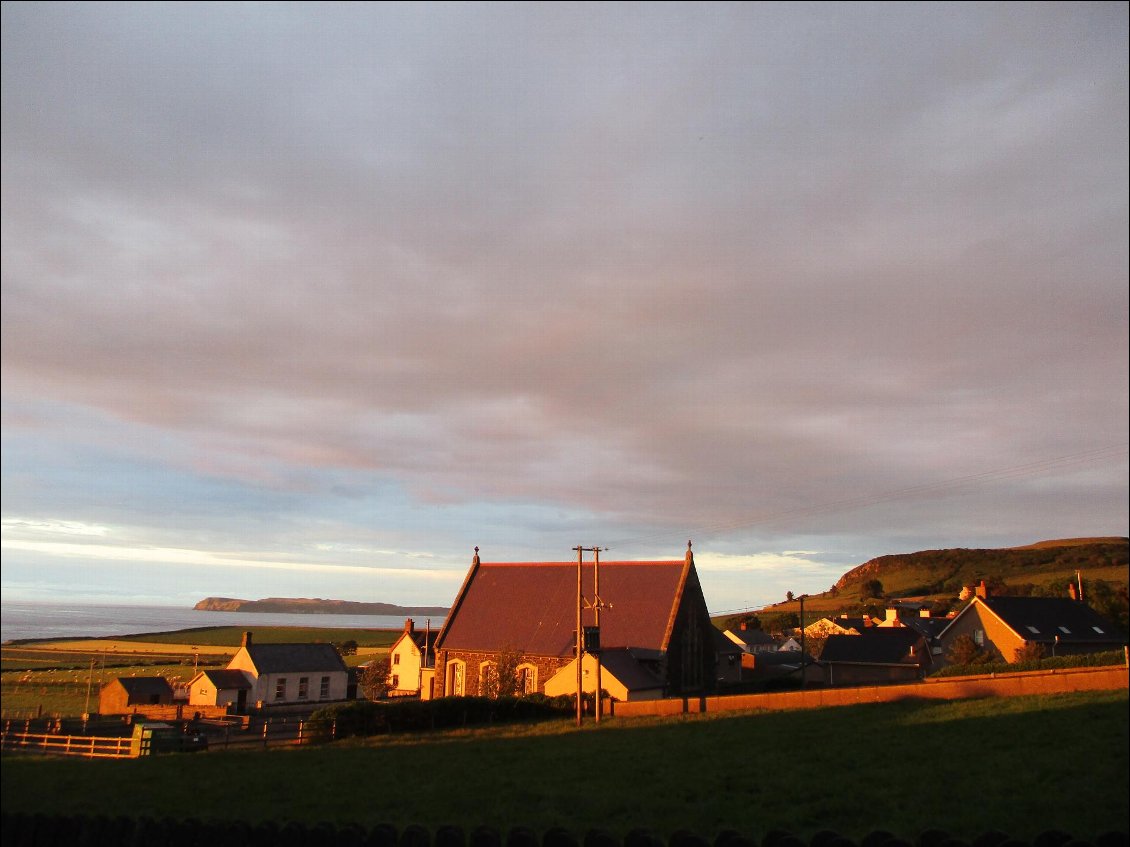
{"points": [[532, 606]]}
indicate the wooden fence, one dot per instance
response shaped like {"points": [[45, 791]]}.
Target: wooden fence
{"points": [[220, 736], [88, 746]]}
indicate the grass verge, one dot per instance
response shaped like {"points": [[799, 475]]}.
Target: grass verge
{"points": [[1022, 765]]}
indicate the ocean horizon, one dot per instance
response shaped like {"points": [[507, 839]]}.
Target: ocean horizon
{"points": [[36, 620]]}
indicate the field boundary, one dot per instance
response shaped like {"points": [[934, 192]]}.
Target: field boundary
{"points": [[1058, 681]]}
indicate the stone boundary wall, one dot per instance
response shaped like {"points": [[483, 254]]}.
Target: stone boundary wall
{"points": [[1056, 681]]}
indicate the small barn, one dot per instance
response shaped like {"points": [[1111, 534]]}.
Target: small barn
{"points": [[123, 695]]}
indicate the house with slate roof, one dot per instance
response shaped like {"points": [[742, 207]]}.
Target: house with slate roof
{"points": [[654, 625], [876, 655], [123, 695], [277, 675], [752, 640], [1003, 625], [411, 660], [917, 617]]}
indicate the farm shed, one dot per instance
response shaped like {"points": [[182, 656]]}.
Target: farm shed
{"points": [[122, 695]]}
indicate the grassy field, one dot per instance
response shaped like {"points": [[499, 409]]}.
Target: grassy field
{"points": [[1022, 765], [52, 676]]}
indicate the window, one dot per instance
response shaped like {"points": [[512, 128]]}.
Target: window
{"points": [[1065, 630], [488, 679], [527, 679], [1099, 631], [325, 690], [303, 688], [979, 637], [280, 688], [456, 678], [396, 658], [1033, 630], [395, 681]]}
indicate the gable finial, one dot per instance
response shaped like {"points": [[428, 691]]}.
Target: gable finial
{"points": [[690, 555], [475, 560]]}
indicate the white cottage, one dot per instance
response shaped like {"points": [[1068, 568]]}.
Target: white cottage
{"points": [[275, 675]]}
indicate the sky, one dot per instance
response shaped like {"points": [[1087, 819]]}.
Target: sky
{"points": [[310, 300]]}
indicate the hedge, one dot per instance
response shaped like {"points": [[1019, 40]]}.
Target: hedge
{"points": [[367, 717]]}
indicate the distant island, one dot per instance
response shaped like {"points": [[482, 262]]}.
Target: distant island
{"points": [[313, 606]]}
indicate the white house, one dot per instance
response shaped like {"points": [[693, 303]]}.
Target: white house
{"points": [[275, 675]]}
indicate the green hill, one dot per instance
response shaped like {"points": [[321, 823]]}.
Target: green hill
{"points": [[1043, 568], [937, 577]]}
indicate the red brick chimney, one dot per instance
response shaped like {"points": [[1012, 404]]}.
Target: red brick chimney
{"points": [[983, 591], [409, 625], [246, 640]]}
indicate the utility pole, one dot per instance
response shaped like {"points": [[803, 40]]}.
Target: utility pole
{"points": [[89, 684], [803, 652], [580, 648], [596, 604]]}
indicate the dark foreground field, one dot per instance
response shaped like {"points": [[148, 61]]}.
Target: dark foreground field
{"points": [[1021, 765]]}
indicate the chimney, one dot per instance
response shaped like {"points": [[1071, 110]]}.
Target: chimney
{"points": [[1072, 592], [246, 640], [983, 591], [744, 626], [409, 625]]}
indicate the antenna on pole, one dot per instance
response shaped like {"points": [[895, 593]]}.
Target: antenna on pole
{"points": [[580, 645]]}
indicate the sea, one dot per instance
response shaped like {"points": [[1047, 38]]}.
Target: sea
{"points": [[20, 620]]}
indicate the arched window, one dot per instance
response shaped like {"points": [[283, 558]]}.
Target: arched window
{"points": [[488, 679], [527, 678], [456, 681]]}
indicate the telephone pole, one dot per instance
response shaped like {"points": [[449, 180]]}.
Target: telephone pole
{"points": [[580, 648]]}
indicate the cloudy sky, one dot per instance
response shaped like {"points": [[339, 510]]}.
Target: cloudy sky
{"points": [[309, 300]]}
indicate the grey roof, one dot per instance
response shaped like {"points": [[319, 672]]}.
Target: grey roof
{"points": [[876, 646], [623, 664], [295, 658], [145, 685], [931, 628], [752, 637], [227, 679], [418, 638], [1045, 618]]}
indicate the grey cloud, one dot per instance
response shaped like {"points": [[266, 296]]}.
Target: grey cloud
{"points": [[711, 258]]}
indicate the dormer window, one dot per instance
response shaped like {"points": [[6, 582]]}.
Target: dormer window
{"points": [[1065, 630], [1033, 630], [1099, 631]]}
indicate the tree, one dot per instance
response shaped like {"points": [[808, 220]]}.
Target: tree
{"points": [[789, 596], [966, 651], [346, 648], [509, 678], [375, 678], [873, 588], [1029, 652]]}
